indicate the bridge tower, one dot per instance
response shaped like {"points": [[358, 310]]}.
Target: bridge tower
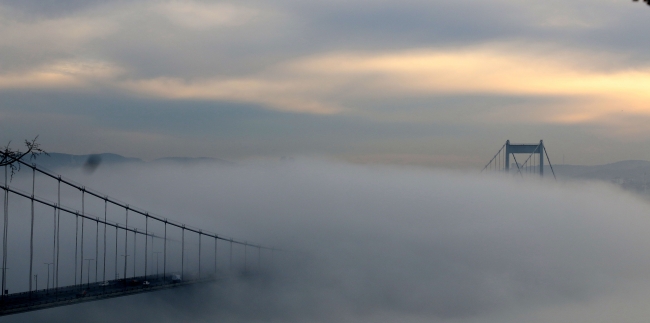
{"points": [[525, 149], [534, 163]]}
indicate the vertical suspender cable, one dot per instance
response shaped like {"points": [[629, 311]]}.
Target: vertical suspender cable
{"points": [[153, 252], [135, 243], [96, 246], [58, 231], [183, 252], [31, 234], [105, 224], [4, 236], [83, 213], [491, 164], [116, 234], [53, 245], [146, 243], [199, 254], [126, 239], [215, 254], [165, 252], [76, 250]]}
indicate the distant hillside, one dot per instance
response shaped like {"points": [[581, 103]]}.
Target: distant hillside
{"points": [[58, 160], [609, 172], [633, 175], [192, 161]]}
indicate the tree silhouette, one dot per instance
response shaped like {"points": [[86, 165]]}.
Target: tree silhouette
{"points": [[646, 1], [10, 157]]}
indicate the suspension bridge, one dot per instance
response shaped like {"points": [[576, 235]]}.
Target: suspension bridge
{"points": [[103, 249], [533, 164]]}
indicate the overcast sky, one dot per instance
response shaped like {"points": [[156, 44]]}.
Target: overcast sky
{"points": [[436, 82]]}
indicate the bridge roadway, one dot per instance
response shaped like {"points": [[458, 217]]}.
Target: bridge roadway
{"points": [[42, 299]]}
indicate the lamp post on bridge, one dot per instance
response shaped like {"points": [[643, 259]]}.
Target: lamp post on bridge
{"points": [[156, 253], [88, 260], [125, 266], [5, 292], [47, 287]]}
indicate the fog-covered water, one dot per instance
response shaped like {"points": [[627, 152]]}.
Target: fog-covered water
{"points": [[386, 244]]}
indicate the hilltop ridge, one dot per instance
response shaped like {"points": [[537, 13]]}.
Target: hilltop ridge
{"points": [[59, 160]]}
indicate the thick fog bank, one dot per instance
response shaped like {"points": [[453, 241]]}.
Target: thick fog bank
{"points": [[380, 244]]}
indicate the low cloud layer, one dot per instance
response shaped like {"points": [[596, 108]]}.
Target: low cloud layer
{"points": [[378, 244]]}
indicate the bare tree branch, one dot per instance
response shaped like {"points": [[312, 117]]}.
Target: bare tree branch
{"points": [[10, 157]]}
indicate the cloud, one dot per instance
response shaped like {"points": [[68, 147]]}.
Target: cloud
{"points": [[62, 75], [334, 79], [198, 15], [282, 95], [489, 69], [329, 82], [326, 83], [33, 43], [352, 81]]}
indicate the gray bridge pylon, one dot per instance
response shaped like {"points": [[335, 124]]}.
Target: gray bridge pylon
{"points": [[533, 164]]}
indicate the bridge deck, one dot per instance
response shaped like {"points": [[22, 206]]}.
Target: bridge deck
{"points": [[42, 299]]}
